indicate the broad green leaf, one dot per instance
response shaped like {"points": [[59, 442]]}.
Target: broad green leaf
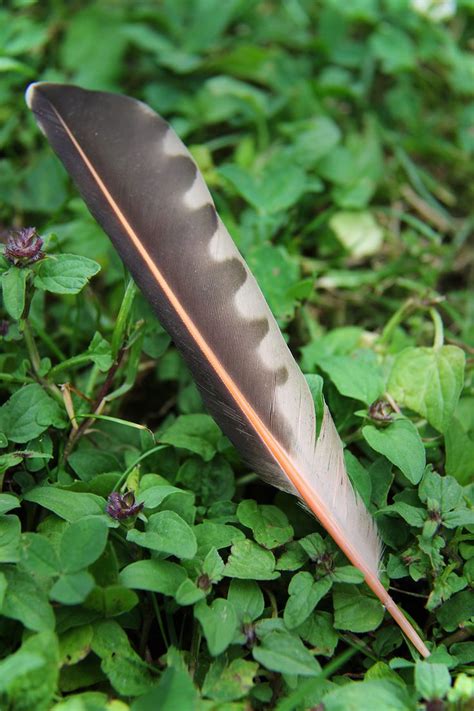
{"points": [[155, 495], [357, 376], [126, 671], [429, 381], [34, 687], [380, 694], [219, 623], [211, 481], [100, 352], [246, 598], [216, 535], [26, 602], [155, 575], [65, 273], [248, 561], [10, 532], [459, 452], [38, 555], [72, 588], [394, 48], [304, 595], [270, 189], [13, 290], [229, 683], [401, 443], [112, 600], [28, 413], [75, 644], [277, 272], [358, 232], [70, 505], [318, 631], [174, 691], [82, 543], [432, 681], [269, 524], [166, 532], [8, 502], [196, 433], [282, 652], [355, 611]]}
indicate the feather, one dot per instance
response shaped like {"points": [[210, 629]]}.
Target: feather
{"points": [[145, 190]]}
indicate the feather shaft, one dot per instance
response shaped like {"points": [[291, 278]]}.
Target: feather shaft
{"points": [[252, 421]]}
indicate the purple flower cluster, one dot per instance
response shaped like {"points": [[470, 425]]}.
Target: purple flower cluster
{"points": [[122, 506], [24, 247]]}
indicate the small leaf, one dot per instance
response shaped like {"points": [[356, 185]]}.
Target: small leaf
{"points": [[247, 599], [28, 413], [358, 232], [155, 575], [82, 543], [13, 289], [70, 505], [72, 588], [429, 381], [219, 624], [357, 376], [26, 602], [304, 595], [354, 611], [432, 681], [65, 273], [174, 691], [248, 561], [401, 443], [269, 524], [196, 433], [166, 532], [282, 652]]}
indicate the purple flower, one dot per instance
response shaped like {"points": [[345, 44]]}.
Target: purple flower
{"points": [[4, 326], [24, 247], [122, 506]]}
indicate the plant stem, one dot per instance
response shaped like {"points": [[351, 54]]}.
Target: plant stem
{"points": [[159, 619], [438, 328]]}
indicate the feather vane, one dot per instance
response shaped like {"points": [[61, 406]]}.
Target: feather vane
{"points": [[141, 184]]}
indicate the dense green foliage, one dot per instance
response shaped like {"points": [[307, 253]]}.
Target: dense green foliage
{"points": [[337, 138]]}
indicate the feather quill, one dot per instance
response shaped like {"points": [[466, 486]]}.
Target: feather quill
{"points": [[142, 186]]}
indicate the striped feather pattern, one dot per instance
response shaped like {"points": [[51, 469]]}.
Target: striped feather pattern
{"points": [[143, 187]]}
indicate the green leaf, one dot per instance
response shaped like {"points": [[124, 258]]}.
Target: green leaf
{"points": [[216, 535], [284, 653], [394, 48], [270, 189], [218, 622], [13, 289], [429, 381], [75, 644], [166, 532], [72, 588], [196, 433], [246, 598], [229, 683], [156, 575], [126, 671], [318, 631], [269, 524], [248, 561], [358, 232], [82, 543], [304, 595], [401, 443], [174, 691], [33, 686], [155, 495], [432, 681], [112, 600], [26, 602], [210, 481], [354, 611], [357, 376], [28, 413], [65, 273], [459, 452], [380, 693], [10, 531], [457, 611], [8, 502], [69, 505], [100, 352]]}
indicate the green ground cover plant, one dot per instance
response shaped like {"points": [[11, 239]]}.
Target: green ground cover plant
{"points": [[142, 565]]}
